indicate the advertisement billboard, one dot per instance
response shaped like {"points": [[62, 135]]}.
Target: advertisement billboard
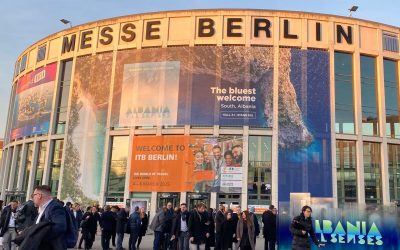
{"points": [[33, 102], [186, 164], [194, 85]]}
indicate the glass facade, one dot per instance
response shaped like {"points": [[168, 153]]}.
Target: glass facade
{"points": [[394, 171], [369, 105], [346, 167], [40, 163], [117, 168], [259, 171], [344, 103], [372, 172], [391, 99], [63, 97], [55, 167], [28, 167], [17, 166]]}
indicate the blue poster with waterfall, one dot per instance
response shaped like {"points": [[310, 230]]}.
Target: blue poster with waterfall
{"points": [[305, 163]]}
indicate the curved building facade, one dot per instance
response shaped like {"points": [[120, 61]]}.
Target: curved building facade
{"points": [[240, 107]]}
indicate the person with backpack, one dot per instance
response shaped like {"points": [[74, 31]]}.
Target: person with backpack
{"points": [[25, 216]]}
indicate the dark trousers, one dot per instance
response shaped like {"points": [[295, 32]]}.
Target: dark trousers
{"points": [[89, 239], [269, 244], [133, 239], [113, 234], [217, 241], [80, 241], [139, 240], [157, 240], [105, 239]]}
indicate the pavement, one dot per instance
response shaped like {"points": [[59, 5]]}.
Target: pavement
{"points": [[147, 242]]}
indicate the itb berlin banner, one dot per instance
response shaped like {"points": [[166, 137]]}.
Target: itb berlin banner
{"points": [[186, 164]]}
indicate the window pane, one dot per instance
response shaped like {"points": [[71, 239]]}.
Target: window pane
{"points": [[41, 55], [18, 162], [118, 165], [259, 170], [394, 171], [40, 164], [370, 124], [391, 99], [63, 97], [344, 104], [372, 172], [27, 167], [346, 168], [55, 166]]}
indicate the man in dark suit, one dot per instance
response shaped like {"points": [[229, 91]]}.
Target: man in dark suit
{"points": [[219, 219], [77, 213], [26, 215], [108, 222], [51, 211], [8, 225]]}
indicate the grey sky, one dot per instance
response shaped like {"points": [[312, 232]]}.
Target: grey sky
{"points": [[23, 22]]}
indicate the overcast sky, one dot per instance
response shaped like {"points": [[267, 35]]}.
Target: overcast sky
{"points": [[23, 22]]}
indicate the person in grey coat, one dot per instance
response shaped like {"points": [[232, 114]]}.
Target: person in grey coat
{"points": [[157, 225], [245, 232]]}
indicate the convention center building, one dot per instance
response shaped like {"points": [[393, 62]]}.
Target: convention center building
{"points": [[239, 107]]}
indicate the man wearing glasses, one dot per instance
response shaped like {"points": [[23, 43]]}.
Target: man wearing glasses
{"points": [[50, 210], [301, 228]]}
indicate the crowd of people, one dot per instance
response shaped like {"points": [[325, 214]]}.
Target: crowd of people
{"points": [[203, 228], [47, 223]]}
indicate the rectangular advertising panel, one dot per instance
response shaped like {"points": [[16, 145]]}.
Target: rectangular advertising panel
{"points": [[198, 86], [186, 164], [33, 102]]}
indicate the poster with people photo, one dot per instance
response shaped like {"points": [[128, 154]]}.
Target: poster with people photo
{"points": [[187, 164]]}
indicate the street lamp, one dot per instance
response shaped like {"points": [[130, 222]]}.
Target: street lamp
{"points": [[352, 9], [65, 21]]}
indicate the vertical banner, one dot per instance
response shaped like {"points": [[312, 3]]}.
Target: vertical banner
{"points": [[84, 153], [33, 102], [186, 164], [304, 131]]}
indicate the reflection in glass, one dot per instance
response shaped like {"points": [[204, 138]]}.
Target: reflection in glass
{"points": [[391, 99], [372, 172], [259, 171], [40, 164], [344, 104], [28, 167], [346, 168], [370, 123], [63, 96], [394, 171], [16, 173], [56, 166], [118, 164]]}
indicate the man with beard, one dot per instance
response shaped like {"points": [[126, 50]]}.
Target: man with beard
{"points": [[180, 228], [237, 154]]}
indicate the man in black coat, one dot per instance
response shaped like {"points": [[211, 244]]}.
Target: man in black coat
{"points": [[122, 219], [198, 228], [269, 230], [219, 219], [108, 222], [51, 211], [91, 219], [8, 225], [301, 228], [180, 228], [169, 216]]}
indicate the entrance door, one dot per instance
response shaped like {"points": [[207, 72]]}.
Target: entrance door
{"points": [[164, 198], [231, 201], [195, 198]]}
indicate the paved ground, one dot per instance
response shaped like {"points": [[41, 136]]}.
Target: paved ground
{"points": [[147, 242]]}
